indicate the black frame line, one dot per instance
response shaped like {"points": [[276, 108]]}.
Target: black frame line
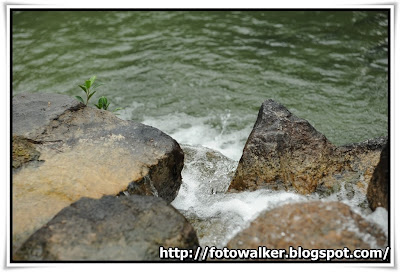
{"points": [[388, 10]]}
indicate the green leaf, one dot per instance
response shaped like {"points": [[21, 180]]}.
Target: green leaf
{"points": [[103, 100], [92, 79], [98, 106], [80, 99], [90, 95], [88, 84], [83, 88]]}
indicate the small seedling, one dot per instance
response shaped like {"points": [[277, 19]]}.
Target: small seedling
{"points": [[88, 88], [103, 104]]}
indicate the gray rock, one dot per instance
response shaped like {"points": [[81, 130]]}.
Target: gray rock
{"points": [[283, 151], [84, 152], [110, 228], [210, 168], [32, 113], [286, 152]]}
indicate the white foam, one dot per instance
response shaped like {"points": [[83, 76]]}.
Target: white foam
{"points": [[355, 199], [186, 129], [204, 180], [232, 211], [359, 204], [380, 217]]}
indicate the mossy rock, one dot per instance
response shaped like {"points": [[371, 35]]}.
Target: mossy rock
{"points": [[23, 151]]}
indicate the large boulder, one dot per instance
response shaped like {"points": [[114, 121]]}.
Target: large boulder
{"points": [[63, 151], [111, 228], [284, 151], [378, 188], [311, 225]]}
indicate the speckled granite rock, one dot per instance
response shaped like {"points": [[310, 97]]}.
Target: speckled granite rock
{"points": [[311, 225], [285, 152]]}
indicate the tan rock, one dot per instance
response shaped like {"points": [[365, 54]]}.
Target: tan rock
{"points": [[84, 152], [311, 225]]}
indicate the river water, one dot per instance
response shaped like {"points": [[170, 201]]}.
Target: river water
{"points": [[201, 77]]}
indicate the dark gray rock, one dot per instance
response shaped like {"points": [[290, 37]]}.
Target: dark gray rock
{"points": [[110, 228], [378, 188], [84, 152], [33, 112], [285, 152]]}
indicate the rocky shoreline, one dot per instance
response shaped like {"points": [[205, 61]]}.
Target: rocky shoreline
{"points": [[82, 152], [87, 185]]}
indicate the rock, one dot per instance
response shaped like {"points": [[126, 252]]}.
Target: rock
{"points": [[311, 225], [284, 151], [208, 168], [23, 152], [359, 161], [363, 157], [378, 188], [210, 230], [33, 113], [111, 228], [84, 152], [206, 176]]}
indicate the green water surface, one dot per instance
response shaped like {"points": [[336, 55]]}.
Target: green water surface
{"points": [[329, 67]]}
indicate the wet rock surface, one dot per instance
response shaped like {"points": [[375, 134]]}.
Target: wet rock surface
{"points": [[311, 225], [84, 152], [378, 188], [110, 228], [209, 167], [206, 177], [284, 152]]}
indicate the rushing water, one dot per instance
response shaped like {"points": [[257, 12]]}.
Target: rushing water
{"points": [[201, 77]]}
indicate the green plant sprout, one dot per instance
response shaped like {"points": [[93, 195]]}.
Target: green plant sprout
{"points": [[103, 104], [88, 88]]}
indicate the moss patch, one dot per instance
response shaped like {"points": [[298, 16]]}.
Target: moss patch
{"points": [[23, 151]]}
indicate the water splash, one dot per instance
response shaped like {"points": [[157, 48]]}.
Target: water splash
{"points": [[218, 216], [208, 131]]}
